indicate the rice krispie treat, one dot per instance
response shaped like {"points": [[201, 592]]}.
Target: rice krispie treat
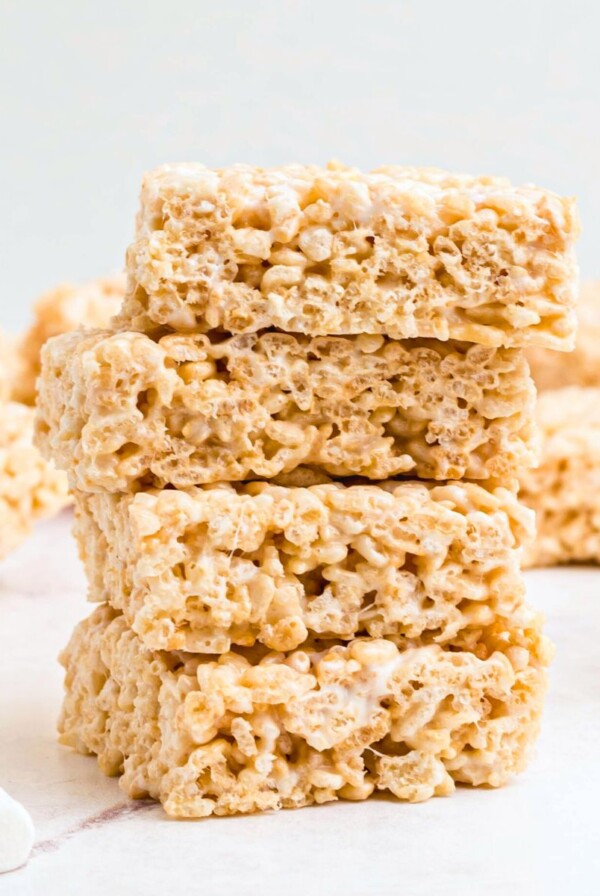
{"points": [[30, 487], [205, 568], [11, 365], [247, 732], [120, 410], [582, 366], [5, 367], [62, 309], [565, 489], [406, 252]]}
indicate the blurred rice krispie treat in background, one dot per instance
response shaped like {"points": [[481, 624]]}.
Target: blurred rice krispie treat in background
{"points": [[11, 365], [564, 490], [64, 308], [5, 372], [30, 487], [552, 370], [281, 328]]}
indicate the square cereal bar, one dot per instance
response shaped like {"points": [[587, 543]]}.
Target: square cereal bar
{"points": [[205, 568], [120, 410], [564, 490], [62, 309], [405, 252], [30, 487], [247, 732], [582, 366]]}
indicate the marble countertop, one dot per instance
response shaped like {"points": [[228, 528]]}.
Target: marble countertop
{"points": [[539, 835]]}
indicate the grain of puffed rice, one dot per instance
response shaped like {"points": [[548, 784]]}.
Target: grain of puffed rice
{"points": [[564, 490], [247, 732], [120, 410], [582, 366], [62, 309], [208, 567], [30, 487], [406, 252]]}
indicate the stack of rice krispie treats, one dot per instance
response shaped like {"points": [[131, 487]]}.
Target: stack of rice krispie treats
{"points": [[294, 457]]}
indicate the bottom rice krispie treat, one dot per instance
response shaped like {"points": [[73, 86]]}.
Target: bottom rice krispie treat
{"points": [[253, 730], [565, 489], [30, 487]]}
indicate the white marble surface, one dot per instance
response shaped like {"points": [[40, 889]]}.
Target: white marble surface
{"points": [[541, 835]]}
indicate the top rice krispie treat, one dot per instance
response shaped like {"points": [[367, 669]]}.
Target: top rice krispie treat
{"points": [[582, 366], [252, 731], [403, 252], [61, 310]]}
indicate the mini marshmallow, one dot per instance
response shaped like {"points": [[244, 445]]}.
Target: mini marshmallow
{"points": [[16, 833]]}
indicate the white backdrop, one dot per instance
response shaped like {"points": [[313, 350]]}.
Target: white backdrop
{"points": [[95, 93]]}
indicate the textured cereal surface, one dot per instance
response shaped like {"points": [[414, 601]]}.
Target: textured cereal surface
{"points": [[65, 308], [248, 732], [582, 366], [203, 569], [30, 487], [565, 489], [120, 410], [406, 252]]}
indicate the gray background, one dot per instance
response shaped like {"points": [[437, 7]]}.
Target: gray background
{"points": [[95, 93]]}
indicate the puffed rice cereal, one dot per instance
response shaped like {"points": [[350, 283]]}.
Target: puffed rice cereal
{"points": [[62, 309], [247, 732], [202, 569], [582, 366], [30, 487], [11, 367], [120, 411], [564, 490], [405, 252]]}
